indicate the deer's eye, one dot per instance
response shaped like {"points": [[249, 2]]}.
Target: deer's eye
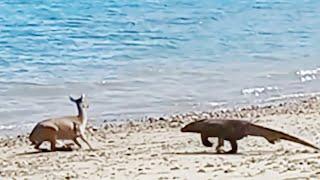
{"points": [[84, 106]]}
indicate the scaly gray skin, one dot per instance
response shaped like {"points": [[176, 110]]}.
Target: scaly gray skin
{"points": [[233, 130]]}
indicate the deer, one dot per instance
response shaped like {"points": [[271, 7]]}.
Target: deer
{"points": [[62, 128]]}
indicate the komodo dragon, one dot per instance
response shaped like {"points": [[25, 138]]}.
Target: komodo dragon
{"points": [[233, 130]]}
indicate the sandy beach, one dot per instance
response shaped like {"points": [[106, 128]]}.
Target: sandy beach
{"points": [[156, 149], [139, 71]]}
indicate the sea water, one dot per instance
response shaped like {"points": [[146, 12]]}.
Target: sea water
{"points": [[152, 57]]}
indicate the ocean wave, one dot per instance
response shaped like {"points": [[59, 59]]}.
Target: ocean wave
{"points": [[217, 104], [7, 127], [22, 83], [257, 91], [291, 96], [4, 63], [308, 75]]}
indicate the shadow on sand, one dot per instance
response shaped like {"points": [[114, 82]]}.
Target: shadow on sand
{"points": [[62, 149], [249, 153], [58, 149], [200, 153]]}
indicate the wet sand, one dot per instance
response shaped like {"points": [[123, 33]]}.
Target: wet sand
{"points": [[156, 149]]}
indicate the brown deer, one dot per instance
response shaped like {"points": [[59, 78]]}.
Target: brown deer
{"points": [[62, 128]]}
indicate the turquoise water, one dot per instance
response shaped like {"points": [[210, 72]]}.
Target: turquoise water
{"points": [[152, 57]]}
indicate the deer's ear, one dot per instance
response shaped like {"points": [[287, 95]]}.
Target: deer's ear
{"points": [[71, 99], [83, 96]]}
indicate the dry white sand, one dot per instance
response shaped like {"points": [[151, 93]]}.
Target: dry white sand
{"points": [[158, 150]]}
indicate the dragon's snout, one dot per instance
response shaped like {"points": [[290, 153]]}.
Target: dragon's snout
{"points": [[183, 129]]}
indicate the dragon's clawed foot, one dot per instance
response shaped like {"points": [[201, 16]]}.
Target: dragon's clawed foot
{"points": [[231, 152], [220, 150], [273, 141]]}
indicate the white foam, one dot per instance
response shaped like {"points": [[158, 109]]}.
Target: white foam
{"points": [[291, 96], [308, 75], [7, 127], [215, 104], [257, 91]]}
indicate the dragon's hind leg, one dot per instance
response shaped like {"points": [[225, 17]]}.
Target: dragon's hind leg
{"points": [[234, 147], [220, 145]]}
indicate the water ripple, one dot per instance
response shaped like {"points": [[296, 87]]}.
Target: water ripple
{"points": [[166, 56]]}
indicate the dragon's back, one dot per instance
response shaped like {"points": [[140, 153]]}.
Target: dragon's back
{"points": [[227, 128]]}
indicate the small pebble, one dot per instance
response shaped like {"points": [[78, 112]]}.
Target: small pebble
{"points": [[174, 168]]}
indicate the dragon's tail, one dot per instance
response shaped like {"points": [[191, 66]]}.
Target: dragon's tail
{"points": [[274, 135]]}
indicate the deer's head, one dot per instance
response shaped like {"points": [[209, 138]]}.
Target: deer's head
{"points": [[81, 102]]}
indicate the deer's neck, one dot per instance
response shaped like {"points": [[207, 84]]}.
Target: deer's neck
{"points": [[82, 114]]}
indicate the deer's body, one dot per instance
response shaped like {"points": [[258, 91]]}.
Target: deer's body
{"points": [[63, 128]]}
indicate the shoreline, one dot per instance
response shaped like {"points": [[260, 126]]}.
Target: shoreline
{"points": [[220, 108], [156, 149]]}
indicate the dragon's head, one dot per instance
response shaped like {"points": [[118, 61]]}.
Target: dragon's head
{"points": [[192, 127]]}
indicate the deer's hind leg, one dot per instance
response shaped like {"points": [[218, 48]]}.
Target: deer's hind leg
{"points": [[53, 145], [51, 136], [37, 145]]}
